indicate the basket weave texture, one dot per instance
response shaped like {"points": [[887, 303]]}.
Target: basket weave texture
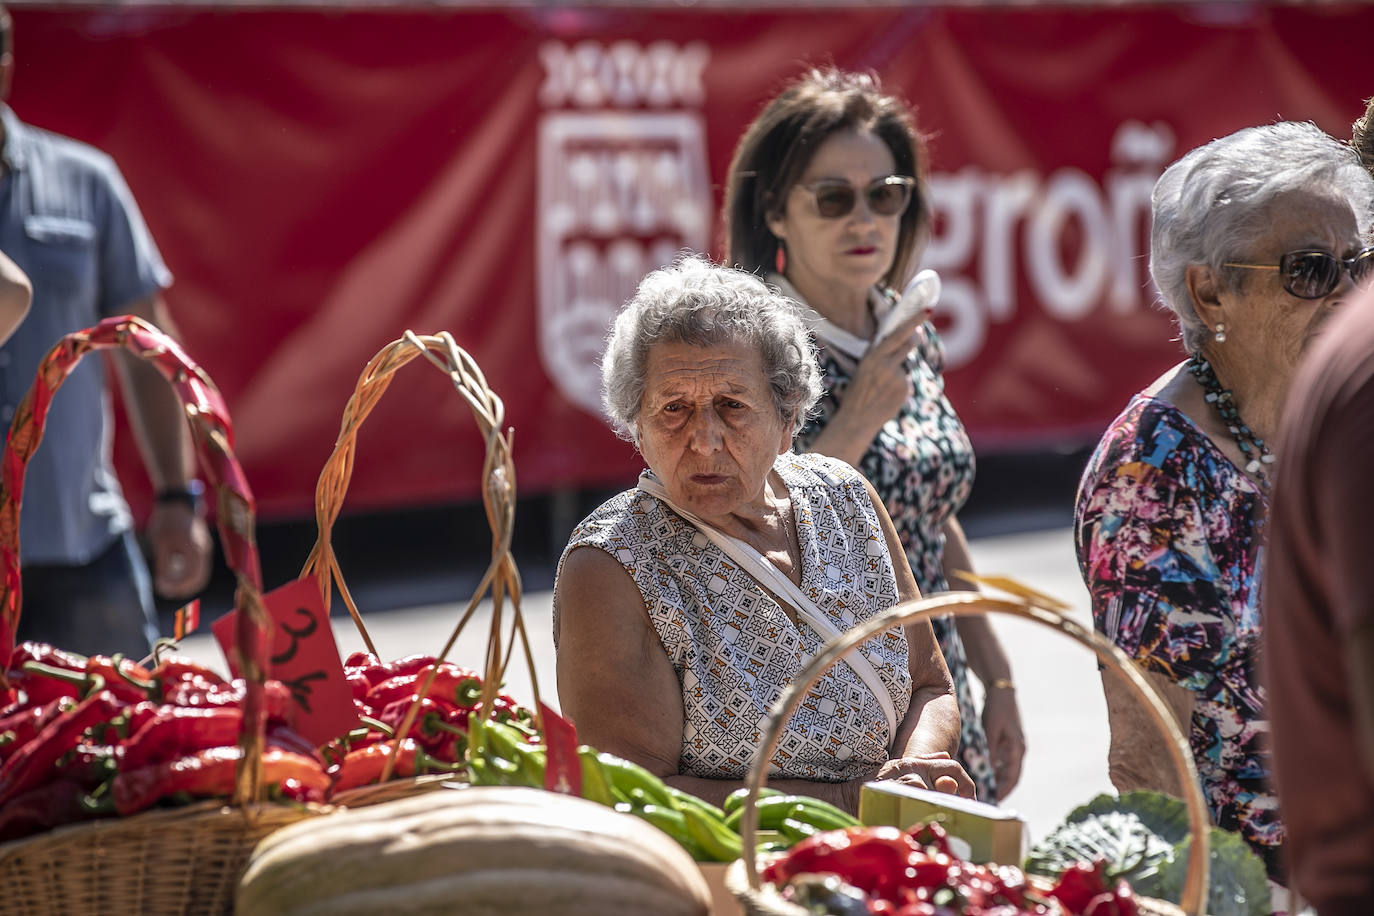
{"points": [[185, 860], [501, 580], [759, 899]]}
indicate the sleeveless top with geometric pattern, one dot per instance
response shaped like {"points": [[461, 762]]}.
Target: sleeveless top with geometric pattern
{"points": [[733, 647]]}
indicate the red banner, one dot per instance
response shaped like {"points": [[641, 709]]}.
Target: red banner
{"points": [[320, 180]]}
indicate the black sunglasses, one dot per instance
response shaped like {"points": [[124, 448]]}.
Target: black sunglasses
{"points": [[835, 197], [1312, 273]]}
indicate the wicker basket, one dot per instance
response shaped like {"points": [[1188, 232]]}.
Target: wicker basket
{"points": [[501, 579], [763, 900], [186, 860]]}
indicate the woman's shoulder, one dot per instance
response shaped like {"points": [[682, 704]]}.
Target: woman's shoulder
{"points": [[613, 516], [812, 469], [1152, 428]]}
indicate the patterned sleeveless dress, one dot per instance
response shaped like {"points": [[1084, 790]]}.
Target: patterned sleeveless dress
{"points": [[921, 463], [733, 647]]}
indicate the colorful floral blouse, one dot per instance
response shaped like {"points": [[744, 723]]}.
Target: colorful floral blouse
{"points": [[921, 464], [1168, 533]]}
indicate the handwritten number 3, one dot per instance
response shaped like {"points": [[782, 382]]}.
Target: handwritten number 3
{"points": [[311, 624]]}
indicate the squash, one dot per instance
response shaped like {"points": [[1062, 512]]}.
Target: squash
{"points": [[473, 850]]}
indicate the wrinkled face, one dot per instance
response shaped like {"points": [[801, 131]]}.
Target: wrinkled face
{"points": [[707, 426], [1273, 325], [851, 252]]}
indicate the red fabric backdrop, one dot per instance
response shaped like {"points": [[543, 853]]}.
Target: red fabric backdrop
{"points": [[320, 180]]}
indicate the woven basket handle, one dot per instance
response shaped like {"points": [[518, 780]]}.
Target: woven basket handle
{"points": [[498, 498], [213, 437], [964, 604]]}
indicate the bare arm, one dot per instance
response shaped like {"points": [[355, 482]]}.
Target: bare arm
{"points": [[928, 735], [179, 538], [1001, 714], [617, 685], [1139, 755], [15, 295]]}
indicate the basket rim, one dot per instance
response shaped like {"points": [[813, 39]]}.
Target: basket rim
{"points": [[1026, 605]]}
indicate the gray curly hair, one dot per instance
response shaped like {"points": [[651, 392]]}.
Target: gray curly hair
{"points": [[696, 302], [1209, 206]]}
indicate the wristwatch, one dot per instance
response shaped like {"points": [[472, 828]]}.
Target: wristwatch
{"points": [[192, 494]]}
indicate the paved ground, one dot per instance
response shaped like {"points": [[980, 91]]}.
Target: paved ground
{"points": [[1060, 696]]}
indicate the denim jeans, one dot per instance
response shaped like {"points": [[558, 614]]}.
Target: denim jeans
{"points": [[103, 607]]}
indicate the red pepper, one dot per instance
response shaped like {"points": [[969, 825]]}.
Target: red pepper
{"points": [[452, 685], [176, 731], [873, 859], [52, 804], [18, 729], [197, 692], [88, 765], [930, 834], [32, 764], [126, 679], [45, 654], [411, 664], [436, 725], [363, 767], [1079, 884], [360, 660], [1120, 902], [210, 774], [174, 668]]}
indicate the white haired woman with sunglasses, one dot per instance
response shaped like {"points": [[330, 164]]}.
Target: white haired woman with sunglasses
{"points": [[825, 197], [1256, 239]]}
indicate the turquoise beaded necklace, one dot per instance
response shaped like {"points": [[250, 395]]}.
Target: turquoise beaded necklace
{"points": [[1256, 453]]}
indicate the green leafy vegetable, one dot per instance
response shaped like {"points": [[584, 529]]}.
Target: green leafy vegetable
{"points": [[1143, 837]]}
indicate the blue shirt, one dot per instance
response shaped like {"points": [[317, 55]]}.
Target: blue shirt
{"points": [[68, 219]]}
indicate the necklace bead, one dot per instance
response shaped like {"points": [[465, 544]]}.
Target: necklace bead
{"points": [[1252, 447]]}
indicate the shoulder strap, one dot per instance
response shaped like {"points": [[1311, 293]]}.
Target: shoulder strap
{"points": [[771, 578]]}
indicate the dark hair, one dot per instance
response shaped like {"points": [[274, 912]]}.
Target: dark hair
{"points": [[779, 144], [6, 32]]}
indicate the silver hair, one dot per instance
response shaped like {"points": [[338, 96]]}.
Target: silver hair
{"points": [[1210, 206], [696, 302]]}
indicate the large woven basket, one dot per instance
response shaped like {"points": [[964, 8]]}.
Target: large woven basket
{"points": [[759, 899], [184, 860], [501, 580]]}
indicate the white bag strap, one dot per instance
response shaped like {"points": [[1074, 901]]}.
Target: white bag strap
{"points": [[771, 578]]}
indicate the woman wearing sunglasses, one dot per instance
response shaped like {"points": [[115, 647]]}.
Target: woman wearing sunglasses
{"points": [[825, 198], [1256, 240]]}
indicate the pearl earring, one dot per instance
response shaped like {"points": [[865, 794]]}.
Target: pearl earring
{"points": [[1220, 335]]}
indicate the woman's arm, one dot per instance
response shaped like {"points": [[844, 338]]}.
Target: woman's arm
{"points": [[1139, 754], [617, 685], [1001, 716], [928, 735], [615, 682]]}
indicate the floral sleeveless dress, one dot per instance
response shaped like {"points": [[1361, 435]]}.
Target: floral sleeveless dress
{"points": [[1168, 533], [734, 648], [921, 464]]}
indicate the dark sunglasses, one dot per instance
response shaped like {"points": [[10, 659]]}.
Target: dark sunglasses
{"points": [[835, 197], [1312, 274]]}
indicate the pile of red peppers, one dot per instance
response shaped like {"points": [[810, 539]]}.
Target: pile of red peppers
{"points": [[436, 741], [105, 736], [886, 871]]}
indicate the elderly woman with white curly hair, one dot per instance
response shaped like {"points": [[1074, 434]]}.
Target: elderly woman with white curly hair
{"points": [[684, 606], [1256, 240]]}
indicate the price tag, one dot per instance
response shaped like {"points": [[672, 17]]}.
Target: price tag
{"points": [[304, 657]]}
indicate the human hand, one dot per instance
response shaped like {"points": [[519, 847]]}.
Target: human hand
{"points": [[924, 771], [181, 546], [1006, 741], [882, 382]]}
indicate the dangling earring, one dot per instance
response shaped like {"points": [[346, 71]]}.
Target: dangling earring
{"points": [[1220, 335], [780, 259]]}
